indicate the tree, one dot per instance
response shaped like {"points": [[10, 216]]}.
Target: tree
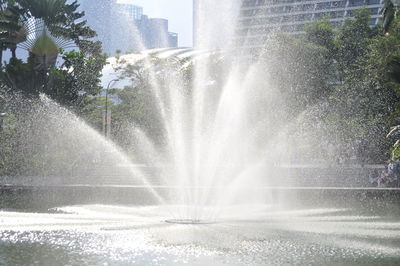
{"points": [[321, 32], [76, 81], [55, 20], [389, 13], [362, 102], [384, 64], [56, 24], [301, 70], [354, 39], [12, 31]]}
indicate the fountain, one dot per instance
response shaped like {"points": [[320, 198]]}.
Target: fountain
{"points": [[187, 221], [205, 179]]}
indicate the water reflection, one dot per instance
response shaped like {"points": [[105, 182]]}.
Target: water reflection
{"points": [[122, 235]]}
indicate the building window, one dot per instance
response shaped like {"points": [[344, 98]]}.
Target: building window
{"points": [[374, 11], [307, 7], [373, 2], [325, 5], [356, 2], [337, 4]]}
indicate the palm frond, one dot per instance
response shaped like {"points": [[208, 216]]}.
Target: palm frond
{"points": [[393, 130]]}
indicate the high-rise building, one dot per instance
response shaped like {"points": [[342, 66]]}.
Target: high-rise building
{"points": [[214, 23], [124, 27], [131, 11], [154, 33], [259, 17], [196, 7], [99, 15], [173, 39]]}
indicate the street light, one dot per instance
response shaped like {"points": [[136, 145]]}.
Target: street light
{"points": [[107, 113], [2, 115]]}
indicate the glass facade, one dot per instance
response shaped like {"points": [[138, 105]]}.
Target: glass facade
{"points": [[124, 27], [259, 17]]}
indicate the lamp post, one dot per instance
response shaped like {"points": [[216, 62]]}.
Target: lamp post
{"points": [[2, 115], [107, 113]]}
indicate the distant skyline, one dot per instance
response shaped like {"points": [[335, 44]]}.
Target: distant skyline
{"points": [[178, 12]]}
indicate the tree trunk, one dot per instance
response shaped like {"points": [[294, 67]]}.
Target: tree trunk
{"points": [[44, 62], [14, 52]]}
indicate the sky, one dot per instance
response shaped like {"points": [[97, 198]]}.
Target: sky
{"points": [[178, 12]]}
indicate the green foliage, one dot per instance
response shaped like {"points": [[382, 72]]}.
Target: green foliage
{"points": [[61, 26], [49, 10], [384, 62], [12, 31], [389, 13], [59, 16], [347, 79], [137, 107], [78, 77], [301, 67], [74, 83], [368, 93], [321, 33], [354, 40], [44, 45], [7, 148], [77, 80]]}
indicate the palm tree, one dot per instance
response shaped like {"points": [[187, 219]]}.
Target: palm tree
{"points": [[389, 12], [12, 31], [48, 10], [51, 23], [60, 18]]}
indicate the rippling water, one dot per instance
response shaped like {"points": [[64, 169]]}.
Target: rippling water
{"points": [[244, 235]]}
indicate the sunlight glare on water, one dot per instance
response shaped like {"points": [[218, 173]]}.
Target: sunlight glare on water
{"points": [[118, 234]]}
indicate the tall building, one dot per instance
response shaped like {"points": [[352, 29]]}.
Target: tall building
{"points": [[99, 15], [133, 12], [259, 17], [214, 22], [196, 7], [154, 33], [123, 27]]}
